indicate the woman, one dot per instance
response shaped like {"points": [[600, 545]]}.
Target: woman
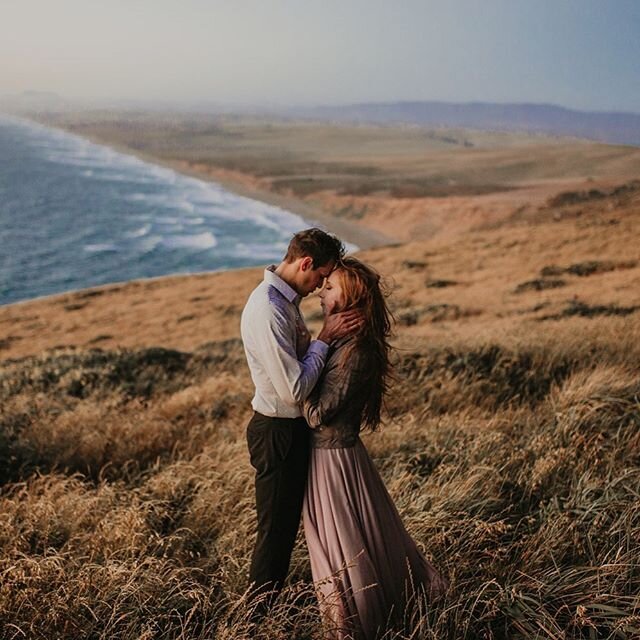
{"points": [[364, 563]]}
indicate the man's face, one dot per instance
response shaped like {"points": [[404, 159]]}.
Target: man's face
{"points": [[309, 278]]}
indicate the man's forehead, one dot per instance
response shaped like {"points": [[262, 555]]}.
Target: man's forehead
{"points": [[326, 270]]}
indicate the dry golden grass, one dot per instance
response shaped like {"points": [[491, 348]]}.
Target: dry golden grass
{"points": [[127, 506], [511, 442]]}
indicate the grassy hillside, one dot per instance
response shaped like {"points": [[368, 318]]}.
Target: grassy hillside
{"points": [[511, 442], [127, 504]]}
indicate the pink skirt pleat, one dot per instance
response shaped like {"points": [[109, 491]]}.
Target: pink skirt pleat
{"points": [[363, 561]]}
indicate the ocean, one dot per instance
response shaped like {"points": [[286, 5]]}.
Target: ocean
{"points": [[74, 214]]}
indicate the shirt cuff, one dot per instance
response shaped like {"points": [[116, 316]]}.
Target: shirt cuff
{"points": [[317, 346]]}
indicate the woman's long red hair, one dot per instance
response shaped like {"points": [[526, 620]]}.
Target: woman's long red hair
{"points": [[362, 290]]}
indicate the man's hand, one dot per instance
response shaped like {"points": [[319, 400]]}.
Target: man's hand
{"points": [[339, 325]]}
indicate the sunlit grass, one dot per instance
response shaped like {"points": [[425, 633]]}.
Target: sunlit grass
{"points": [[127, 509]]}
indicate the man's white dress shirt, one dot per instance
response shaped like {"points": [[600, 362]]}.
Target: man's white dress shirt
{"points": [[284, 365]]}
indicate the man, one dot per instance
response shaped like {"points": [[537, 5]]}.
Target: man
{"points": [[285, 365]]}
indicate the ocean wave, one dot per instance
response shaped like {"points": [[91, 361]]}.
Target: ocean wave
{"points": [[204, 240], [222, 214], [62, 157], [258, 251], [138, 233], [100, 248], [140, 197], [171, 201], [208, 194], [147, 245], [170, 220], [108, 176], [183, 205], [76, 158]]}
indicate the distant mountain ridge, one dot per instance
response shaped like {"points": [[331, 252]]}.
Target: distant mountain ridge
{"points": [[612, 127]]}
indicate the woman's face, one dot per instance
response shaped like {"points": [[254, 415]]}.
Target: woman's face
{"points": [[331, 298]]}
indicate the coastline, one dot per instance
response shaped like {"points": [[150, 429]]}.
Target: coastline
{"points": [[363, 237], [443, 219], [360, 236], [454, 288], [374, 186]]}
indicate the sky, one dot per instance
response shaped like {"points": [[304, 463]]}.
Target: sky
{"points": [[582, 54]]}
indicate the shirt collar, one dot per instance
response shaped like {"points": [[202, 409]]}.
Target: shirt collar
{"points": [[272, 278]]}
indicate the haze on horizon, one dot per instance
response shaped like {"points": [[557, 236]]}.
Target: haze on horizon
{"points": [[582, 54]]}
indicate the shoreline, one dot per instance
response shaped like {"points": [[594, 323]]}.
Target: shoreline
{"points": [[389, 221], [362, 237]]}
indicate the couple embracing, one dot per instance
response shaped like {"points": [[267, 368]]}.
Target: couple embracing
{"points": [[312, 399]]}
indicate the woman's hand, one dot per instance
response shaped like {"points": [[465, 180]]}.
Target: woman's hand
{"points": [[339, 325]]}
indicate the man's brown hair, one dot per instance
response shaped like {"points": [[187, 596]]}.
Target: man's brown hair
{"points": [[318, 245]]}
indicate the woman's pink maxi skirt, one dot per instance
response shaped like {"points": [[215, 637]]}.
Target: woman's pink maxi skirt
{"points": [[363, 561]]}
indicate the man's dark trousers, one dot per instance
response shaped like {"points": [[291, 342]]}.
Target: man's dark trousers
{"points": [[279, 452]]}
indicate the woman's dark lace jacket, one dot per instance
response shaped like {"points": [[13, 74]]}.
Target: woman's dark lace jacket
{"points": [[334, 407]]}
